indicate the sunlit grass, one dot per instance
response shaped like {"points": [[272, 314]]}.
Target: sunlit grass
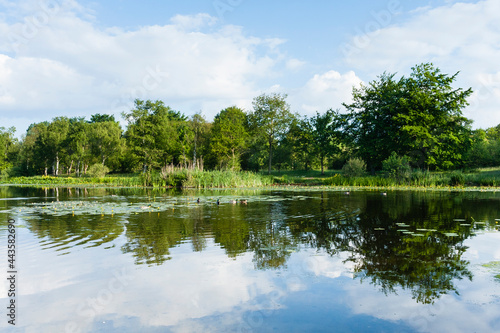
{"points": [[186, 178]]}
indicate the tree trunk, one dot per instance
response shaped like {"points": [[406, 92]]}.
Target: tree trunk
{"points": [[322, 162], [57, 164], [194, 154], [70, 167], [270, 155], [232, 163]]}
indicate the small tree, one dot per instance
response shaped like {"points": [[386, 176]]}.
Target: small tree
{"points": [[354, 167], [397, 167], [97, 170]]}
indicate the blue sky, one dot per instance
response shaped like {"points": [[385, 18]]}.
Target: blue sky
{"points": [[76, 58]]}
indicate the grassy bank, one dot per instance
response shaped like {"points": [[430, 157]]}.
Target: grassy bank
{"points": [[489, 177], [177, 178], [229, 179]]}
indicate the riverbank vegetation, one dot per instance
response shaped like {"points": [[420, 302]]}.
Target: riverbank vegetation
{"points": [[396, 131]]}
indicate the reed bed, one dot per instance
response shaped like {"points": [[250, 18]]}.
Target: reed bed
{"points": [[193, 178]]}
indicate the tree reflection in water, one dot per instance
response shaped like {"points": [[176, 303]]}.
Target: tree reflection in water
{"points": [[366, 226]]}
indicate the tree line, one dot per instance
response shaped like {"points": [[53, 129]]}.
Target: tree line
{"points": [[416, 117]]}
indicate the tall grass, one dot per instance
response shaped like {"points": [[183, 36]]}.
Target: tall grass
{"points": [[192, 178], [420, 178], [185, 178]]}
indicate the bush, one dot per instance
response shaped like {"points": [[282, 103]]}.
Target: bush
{"points": [[97, 170], [354, 167], [397, 167]]}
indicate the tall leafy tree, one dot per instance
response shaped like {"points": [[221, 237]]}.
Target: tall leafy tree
{"points": [[77, 145], [271, 119], [33, 156], [201, 130], [106, 139], [7, 143], [153, 133], [55, 141], [301, 135], [420, 116], [326, 134], [229, 135]]}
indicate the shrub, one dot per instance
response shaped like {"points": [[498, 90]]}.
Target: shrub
{"points": [[354, 167], [397, 167], [97, 170]]}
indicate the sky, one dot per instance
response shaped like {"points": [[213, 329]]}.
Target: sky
{"points": [[77, 58]]}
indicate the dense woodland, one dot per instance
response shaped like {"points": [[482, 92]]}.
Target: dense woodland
{"points": [[416, 119]]}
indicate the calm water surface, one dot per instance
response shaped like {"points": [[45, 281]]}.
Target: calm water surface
{"points": [[128, 260]]}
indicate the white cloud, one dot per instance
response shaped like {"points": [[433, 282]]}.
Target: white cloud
{"points": [[326, 91], [193, 22], [294, 64], [68, 66], [455, 37]]}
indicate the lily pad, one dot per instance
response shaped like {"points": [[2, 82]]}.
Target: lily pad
{"points": [[492, 265], [451, 234], [379, 229], [459, 220]]}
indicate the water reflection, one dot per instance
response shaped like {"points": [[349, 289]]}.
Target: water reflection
{"points": [[405, 240]]}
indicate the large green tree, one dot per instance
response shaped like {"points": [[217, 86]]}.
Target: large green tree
{"points": [[201, 133], [33, 157], [7, 143], [153, 133], [326, 134], [77, 145], [106, 139], [270, 120], [55, 141], [229, 137], [419, 115]]}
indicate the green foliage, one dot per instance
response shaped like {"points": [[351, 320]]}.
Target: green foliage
{"points": [[397, 167], [101, 118], [98, 170], [457, 178], [229, 137], [354, 167], [326, 134], [419, 116], [270, 121], [8, 148]]}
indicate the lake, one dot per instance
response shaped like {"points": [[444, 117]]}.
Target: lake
{"points": [[289, 260]]}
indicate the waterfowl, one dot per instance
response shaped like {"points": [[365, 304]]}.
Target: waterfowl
{"points": [[244, 202], [198, 200], [347, 193], [384, 193], [218, 201], [234, 202]]}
